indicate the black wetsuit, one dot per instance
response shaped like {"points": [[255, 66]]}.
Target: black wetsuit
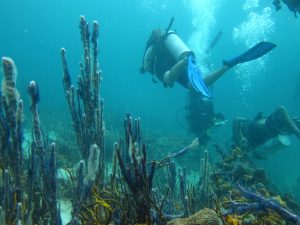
{"points": [[200, 115], [163, 61], [258, 133]]}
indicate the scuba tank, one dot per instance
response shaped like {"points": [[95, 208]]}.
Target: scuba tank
{"points": [[171, 41], [272, 145], [176, 46]]}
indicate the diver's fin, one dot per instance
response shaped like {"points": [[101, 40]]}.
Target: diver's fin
{"points": [[195, 77], [253, 53]]}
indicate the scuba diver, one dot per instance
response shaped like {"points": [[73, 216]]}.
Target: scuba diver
{"points": [[201, 116], [168, 58], [293, 5], [263, 135]]}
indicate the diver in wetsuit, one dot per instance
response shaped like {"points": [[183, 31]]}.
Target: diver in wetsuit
{"points": [[168, 58], [201, 116], [249, 134]]}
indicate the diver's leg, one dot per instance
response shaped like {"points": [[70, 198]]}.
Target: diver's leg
{"points": [[214, 76], [282, 113], [171, 75]]}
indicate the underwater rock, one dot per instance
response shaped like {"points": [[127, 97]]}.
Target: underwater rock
{"points": [[203, 217]]}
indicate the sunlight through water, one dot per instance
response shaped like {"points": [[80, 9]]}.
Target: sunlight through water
{"points": [[257, 27], [203, 21]]}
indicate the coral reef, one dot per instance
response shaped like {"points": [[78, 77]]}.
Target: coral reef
{"points": [[134, 188]]}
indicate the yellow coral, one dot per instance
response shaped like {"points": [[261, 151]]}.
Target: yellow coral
{"points": [[279, 200], [233, 220], [274, 219], [229, 159], [226, 186]]}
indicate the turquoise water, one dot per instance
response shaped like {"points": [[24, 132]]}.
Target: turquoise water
{"points": [[32, 33]]}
